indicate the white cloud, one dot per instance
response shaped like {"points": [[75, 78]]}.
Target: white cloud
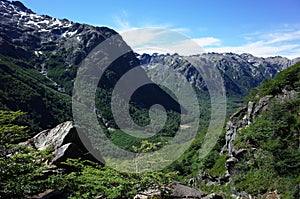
{"points": [[138, 37], [258, 49], [150, 40], [283, 36], [285, 42], [164, 38], [161, 38], [207, 41], [121, 24]]}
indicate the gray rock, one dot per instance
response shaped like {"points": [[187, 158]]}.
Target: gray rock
{"points": [[178, 191], [56, 137], [241, 119], [250, 110], [66, 143], [66, 151], [262, 105], [230, 163], [182, 191], [240, 72]]}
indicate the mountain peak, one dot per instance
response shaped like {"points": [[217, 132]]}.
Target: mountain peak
{"points": [[22, 7]]}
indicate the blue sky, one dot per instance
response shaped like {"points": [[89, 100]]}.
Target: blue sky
{"points": [[260, 27]]}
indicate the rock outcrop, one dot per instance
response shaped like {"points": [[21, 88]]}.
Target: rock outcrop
{"points": [[241, 119], [181, 191], [66, 143]]}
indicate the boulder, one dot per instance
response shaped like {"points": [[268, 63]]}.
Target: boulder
{"points": [[66, 143], [182, 191]]}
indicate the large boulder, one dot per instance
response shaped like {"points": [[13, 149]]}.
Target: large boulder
{"points": [[182, 191], [66, 143]]}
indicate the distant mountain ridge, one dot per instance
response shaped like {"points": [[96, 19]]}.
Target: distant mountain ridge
{"points": [[240, 72]]}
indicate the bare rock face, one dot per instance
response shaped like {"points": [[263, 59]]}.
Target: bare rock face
{"points": [[242, 119], [66, 142], [56, 137], [240, 72]]}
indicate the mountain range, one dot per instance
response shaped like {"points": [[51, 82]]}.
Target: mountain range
{"points": [[46, 52], [40, 58], [240, 73]]}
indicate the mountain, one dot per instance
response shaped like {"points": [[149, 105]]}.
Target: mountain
{"points": [[240, 73], [262, 139], [40, 56], [259, 159], [256, 156], [259, 154]]}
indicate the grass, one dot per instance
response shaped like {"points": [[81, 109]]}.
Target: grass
{"points": [[219, 168]]}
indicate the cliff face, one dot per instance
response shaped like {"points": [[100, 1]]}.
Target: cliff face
{"points": [[262, 143], [247, 115], [241, 119]]}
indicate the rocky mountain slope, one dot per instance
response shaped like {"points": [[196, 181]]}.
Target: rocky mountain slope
{"points": [[260, 157], [241, 73], [262, 140], [40, 56]]}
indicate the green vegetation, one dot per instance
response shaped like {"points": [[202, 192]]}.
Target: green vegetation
{"points": [[91, 180], [10, 133], [30, 82], [274, 162], [60, 73], [24, 172], [21, 174], [23, 88], [288, 78], [125, 141], [219, 167], [272, 140]]}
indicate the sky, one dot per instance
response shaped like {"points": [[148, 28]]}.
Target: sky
{"points": [[260, 27]]}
